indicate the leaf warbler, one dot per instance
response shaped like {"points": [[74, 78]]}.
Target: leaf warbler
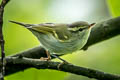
{"points": [[60, 38]]}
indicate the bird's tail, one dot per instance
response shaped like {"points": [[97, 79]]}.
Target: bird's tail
{"points": [[22, 24]]}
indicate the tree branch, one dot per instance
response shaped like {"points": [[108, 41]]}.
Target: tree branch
{"points": [[2, 5], [36, 63]]}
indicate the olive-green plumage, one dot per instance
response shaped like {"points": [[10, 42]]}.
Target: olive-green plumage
{"points": [[60, 38]]}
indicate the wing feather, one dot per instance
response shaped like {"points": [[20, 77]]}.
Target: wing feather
{"points": [[59, 31]]}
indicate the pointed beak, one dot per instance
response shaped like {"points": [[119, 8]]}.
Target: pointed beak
{"points": [[91, 25]]}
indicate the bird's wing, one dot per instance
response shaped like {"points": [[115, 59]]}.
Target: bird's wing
{"points": [[59, 31], [43, 28]]}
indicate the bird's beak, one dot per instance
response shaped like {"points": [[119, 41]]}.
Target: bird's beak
{"points": [[91, 25]]}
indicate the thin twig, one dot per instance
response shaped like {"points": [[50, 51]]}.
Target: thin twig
{"points": [[3, 3], [67, 67]]}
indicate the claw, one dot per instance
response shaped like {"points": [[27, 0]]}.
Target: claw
{"points": [[48, 57], [45, 59], [59, 65]]}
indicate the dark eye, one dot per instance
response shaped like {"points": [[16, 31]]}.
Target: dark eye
{"points": [[80, 29]]}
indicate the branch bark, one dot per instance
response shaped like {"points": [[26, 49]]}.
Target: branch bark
{"points": [[101, 31], [36, 63], [2, 5]]}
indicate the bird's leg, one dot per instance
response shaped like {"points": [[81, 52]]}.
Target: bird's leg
{"points": [[59, 58], [63, 61], [48, 56]]}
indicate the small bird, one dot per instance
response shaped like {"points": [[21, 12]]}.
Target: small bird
{"points": [[60, 38]]}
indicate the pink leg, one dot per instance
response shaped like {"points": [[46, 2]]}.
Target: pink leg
{"points": [[48, 56]]}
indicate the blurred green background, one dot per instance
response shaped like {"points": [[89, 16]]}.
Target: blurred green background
{"points": [[103, 56]]}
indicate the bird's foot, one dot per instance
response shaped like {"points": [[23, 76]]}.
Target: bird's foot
{"points": [[45, 59], [63, 61], [61, 64], [48, 57]]}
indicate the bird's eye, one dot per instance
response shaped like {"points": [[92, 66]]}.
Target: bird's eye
{"points": [[81, 29]]}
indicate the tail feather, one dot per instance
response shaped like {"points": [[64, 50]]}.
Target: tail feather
{"points": [[20, 23]]}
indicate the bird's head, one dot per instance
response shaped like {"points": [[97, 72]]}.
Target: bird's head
{"points": [[80, 28]]}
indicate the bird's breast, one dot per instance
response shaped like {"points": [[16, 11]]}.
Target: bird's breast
{"points": [[60, 47]]}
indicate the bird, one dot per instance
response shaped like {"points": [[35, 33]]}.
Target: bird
{"points": [[60, 38]]}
